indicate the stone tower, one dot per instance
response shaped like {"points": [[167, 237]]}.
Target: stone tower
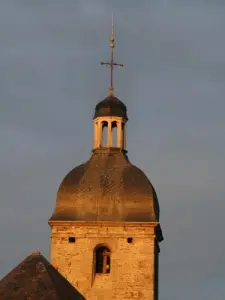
{"points": [[105, 227]]}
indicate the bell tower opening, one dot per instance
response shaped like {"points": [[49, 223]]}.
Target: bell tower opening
{"points": [[114, 134], [102, 260], [104, 134], [110, 131]]}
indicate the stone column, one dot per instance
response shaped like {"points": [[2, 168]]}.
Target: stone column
{"points": [[124, 136], [119, 134], [95, 135]]}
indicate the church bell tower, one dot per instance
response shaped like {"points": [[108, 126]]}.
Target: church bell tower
{"points": [[105, 229]]}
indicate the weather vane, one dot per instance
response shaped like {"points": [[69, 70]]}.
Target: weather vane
{"points": [[111, 63]]}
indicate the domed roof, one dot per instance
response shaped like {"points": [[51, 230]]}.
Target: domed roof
{"points": [[111, 106], [106, 188]]}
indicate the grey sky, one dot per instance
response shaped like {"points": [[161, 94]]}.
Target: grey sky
{"points": [[173, 83]]}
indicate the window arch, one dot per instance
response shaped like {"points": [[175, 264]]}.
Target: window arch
{"points": [[114, 134], [104, 133], [102, 262]]}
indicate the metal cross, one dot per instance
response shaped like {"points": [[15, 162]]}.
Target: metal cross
{"points": [[111, 63]]}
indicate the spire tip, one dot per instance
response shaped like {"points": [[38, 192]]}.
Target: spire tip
{"points": [[112, 63]]}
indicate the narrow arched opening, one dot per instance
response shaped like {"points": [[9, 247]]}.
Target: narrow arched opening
{"points": [[114, 134], [102, 260], [104, 134]]}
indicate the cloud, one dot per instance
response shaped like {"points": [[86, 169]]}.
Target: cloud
{"points": [[173, 85]]}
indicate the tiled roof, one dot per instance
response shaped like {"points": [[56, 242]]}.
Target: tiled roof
{"points": [[111, 106], [36, 279], [106, 188]]}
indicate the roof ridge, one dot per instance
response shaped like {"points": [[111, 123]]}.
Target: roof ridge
{"points": [[61, 292], [33, 277]]}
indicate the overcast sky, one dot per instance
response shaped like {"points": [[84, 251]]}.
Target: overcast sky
{"points": [[173, 83]]}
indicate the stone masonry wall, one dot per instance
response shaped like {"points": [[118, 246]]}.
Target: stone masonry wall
{"points": [[132, 264]]}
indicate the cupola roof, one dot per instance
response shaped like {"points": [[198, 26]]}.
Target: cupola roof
{"points": [[111, 106]]}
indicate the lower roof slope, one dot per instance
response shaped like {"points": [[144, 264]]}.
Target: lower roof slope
{"points": [[36, 279]]}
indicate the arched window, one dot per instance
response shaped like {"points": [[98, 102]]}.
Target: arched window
{"points": [[104, 134], [102, 260], [114, 134]]}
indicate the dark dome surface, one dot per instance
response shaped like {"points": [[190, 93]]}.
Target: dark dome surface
{"points": [[106, 188], [111, 106]]}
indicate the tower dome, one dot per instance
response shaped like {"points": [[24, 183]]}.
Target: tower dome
{"points": [[106, 188], [111, 106]]}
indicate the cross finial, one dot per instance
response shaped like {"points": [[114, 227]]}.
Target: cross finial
{"points": [[111, 63]]}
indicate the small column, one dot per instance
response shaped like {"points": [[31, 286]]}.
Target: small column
{"points": [[109, 138], [124, 137], [119, 134], [95, 135]]}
